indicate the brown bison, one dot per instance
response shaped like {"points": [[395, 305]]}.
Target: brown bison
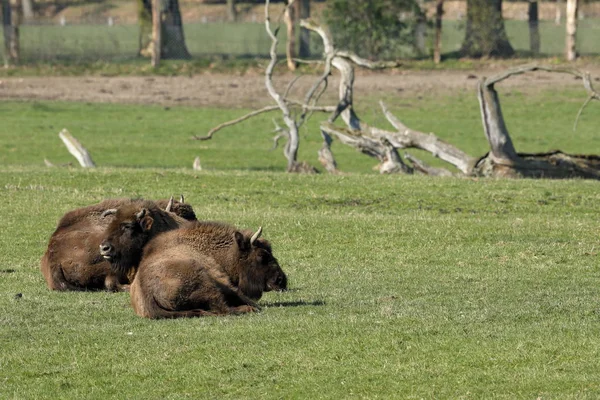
{"points": [[72, 260], [204, 268]]}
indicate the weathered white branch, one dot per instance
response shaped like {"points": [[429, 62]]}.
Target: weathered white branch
{"points": [[76, 149], [291, 152], [235, 121], [407, 138]]}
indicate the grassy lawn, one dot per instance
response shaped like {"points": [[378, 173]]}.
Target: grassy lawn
{"points": [[401, 287]]}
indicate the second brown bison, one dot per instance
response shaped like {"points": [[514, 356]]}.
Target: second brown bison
{"points": [[73, 261], [204, 268]]}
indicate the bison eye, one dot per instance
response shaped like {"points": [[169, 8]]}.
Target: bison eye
{"points": [[127, 227]]}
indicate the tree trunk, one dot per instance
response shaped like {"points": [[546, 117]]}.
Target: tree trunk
{"points": [[421, 29], [290, 47], [534, 27], [156, 33], [558, 12], [28, 7], [10, 22], [485, 34], [571, 50], [172, 38], [437, 46], [304, 13], [231, 11]]}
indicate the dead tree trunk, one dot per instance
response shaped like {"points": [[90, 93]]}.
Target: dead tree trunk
{"points": [[293, 139], [437, 45], [571, 42], [10, 23], [503, 161]]}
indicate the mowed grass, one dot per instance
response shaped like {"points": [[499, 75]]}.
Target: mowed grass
{"points": [[401, 287], [142, 136]]}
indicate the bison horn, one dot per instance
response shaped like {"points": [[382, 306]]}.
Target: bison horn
{"points": [[256, 235], [170, 205], [110, 211], [141, 214], [181, 199]]}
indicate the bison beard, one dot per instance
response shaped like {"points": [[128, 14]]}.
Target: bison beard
{"points": [[206, 268], [72, 260]]}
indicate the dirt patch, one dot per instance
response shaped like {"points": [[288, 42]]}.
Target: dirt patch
{"points": [[221, 90]]}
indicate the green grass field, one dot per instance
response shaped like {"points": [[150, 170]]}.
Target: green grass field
{"points": [[401, 287]]}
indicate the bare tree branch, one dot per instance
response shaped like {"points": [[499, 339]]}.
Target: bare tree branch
{"points": [[235, 121], [406, 138], [422, 167], [76, 149]]}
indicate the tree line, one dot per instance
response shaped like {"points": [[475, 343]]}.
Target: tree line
{"points": [[374, 29]]}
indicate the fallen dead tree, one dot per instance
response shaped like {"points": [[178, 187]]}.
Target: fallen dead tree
{"points": [[501, 161]]}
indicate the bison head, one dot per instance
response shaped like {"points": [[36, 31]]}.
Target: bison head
{"points": [[260, 271], [126, 236]]}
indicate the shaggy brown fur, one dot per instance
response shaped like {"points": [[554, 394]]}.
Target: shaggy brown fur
{"points": [[133, 226], [206, 268], [72, 260]]}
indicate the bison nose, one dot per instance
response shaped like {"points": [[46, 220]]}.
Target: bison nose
{"points": [[106, 249]]}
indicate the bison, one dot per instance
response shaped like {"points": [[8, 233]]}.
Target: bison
{"points": [[204, 268], [72, 260]]}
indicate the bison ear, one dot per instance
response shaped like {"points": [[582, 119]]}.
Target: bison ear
{"points": [[146, 223], [242, 241], [145, 220]]}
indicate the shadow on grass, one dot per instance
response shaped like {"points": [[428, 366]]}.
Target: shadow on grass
{"points": [[294, 303]]}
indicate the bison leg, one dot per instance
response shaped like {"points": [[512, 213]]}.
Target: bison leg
{"points": [[112, 284], [159, 313], [243, 309]]}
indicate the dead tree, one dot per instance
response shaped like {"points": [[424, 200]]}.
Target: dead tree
{"points": [[501, 161]]}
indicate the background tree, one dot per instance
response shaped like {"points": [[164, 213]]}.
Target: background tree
{"points": [[571, 50], [303, 12], [172, 44], [437, 44], [421, 28], [485, 34], [10, 25], [231, 11], [534, 27], [28, 7], [372, 29]]}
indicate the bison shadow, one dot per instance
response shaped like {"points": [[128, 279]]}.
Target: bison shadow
{"points": [[293, 303]]}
